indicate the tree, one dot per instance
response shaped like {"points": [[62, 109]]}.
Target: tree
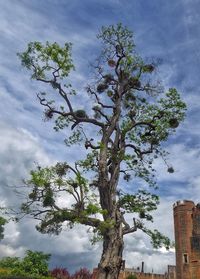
{"points": [[35, 263], [3, 221], [130, 117]]}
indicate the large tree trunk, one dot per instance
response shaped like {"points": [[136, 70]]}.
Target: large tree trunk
{"points": [[111, 259]]}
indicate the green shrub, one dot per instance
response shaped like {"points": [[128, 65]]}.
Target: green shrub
{"points": [[25, 276], [10, 263], [33, 266], [35, 263]]}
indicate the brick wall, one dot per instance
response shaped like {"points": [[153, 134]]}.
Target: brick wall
{"points": [[171, 272], [143, 275], [140, 275]]}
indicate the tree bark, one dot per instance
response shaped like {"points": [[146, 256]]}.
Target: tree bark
{"points": [[111, 258]]}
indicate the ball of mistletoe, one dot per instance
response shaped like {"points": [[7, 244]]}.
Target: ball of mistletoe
{"points": [[125, 75], [170, 170], [173, 122], [154, 141], [61, 169], [119, 49], [142, 214], [96, 107], [111, 63], [127, 177], [102, 87], [75, 185], [130, 97], [108, 78], [132, 113], [48, 114], [33, 195], [134, 82], [110, 93], [48, 198], [81, 113], [149, 68]]}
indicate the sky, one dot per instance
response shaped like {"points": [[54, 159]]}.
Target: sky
{"points": [[165, 30]]}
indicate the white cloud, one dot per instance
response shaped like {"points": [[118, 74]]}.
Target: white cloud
{"points": [[19, 150], [185, 161], [139, 248]]}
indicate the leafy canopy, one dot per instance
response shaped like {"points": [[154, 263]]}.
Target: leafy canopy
{"points": [[122, 133]]}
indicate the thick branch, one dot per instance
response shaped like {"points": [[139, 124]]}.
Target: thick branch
{"points": [[69, 215]]}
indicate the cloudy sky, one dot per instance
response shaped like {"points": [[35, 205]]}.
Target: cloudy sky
{"points": [[168, 30]]}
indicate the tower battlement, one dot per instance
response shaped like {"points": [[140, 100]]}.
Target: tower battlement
{"points": [[183, 202]]}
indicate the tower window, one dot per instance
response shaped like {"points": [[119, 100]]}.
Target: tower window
{"points": [[185, 259]]}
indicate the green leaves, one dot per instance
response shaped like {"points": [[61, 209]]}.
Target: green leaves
{"points": [[33, 265], [90, 162], [158, 239], [116, 39], [142, 203], [75, 138], [3, 221], [10, 262], [47, 185], [47, 60], [93, 209], [48, 199]]}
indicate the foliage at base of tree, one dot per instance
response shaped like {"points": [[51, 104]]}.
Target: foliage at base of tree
{"points": [[34, 266]]}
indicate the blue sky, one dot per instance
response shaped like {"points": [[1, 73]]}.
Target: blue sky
{"points": [[165, 30]]}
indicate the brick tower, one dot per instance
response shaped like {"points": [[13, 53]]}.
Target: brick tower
{"points": [[195, 243], [183, 233], [187, 239]]}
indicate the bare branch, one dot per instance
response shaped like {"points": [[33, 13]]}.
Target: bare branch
{"points": [[128, 230], [138, 151], [98, 100]]}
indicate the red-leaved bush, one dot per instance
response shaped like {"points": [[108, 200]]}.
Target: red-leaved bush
{"points": [[60, 273], [82, 273]]}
